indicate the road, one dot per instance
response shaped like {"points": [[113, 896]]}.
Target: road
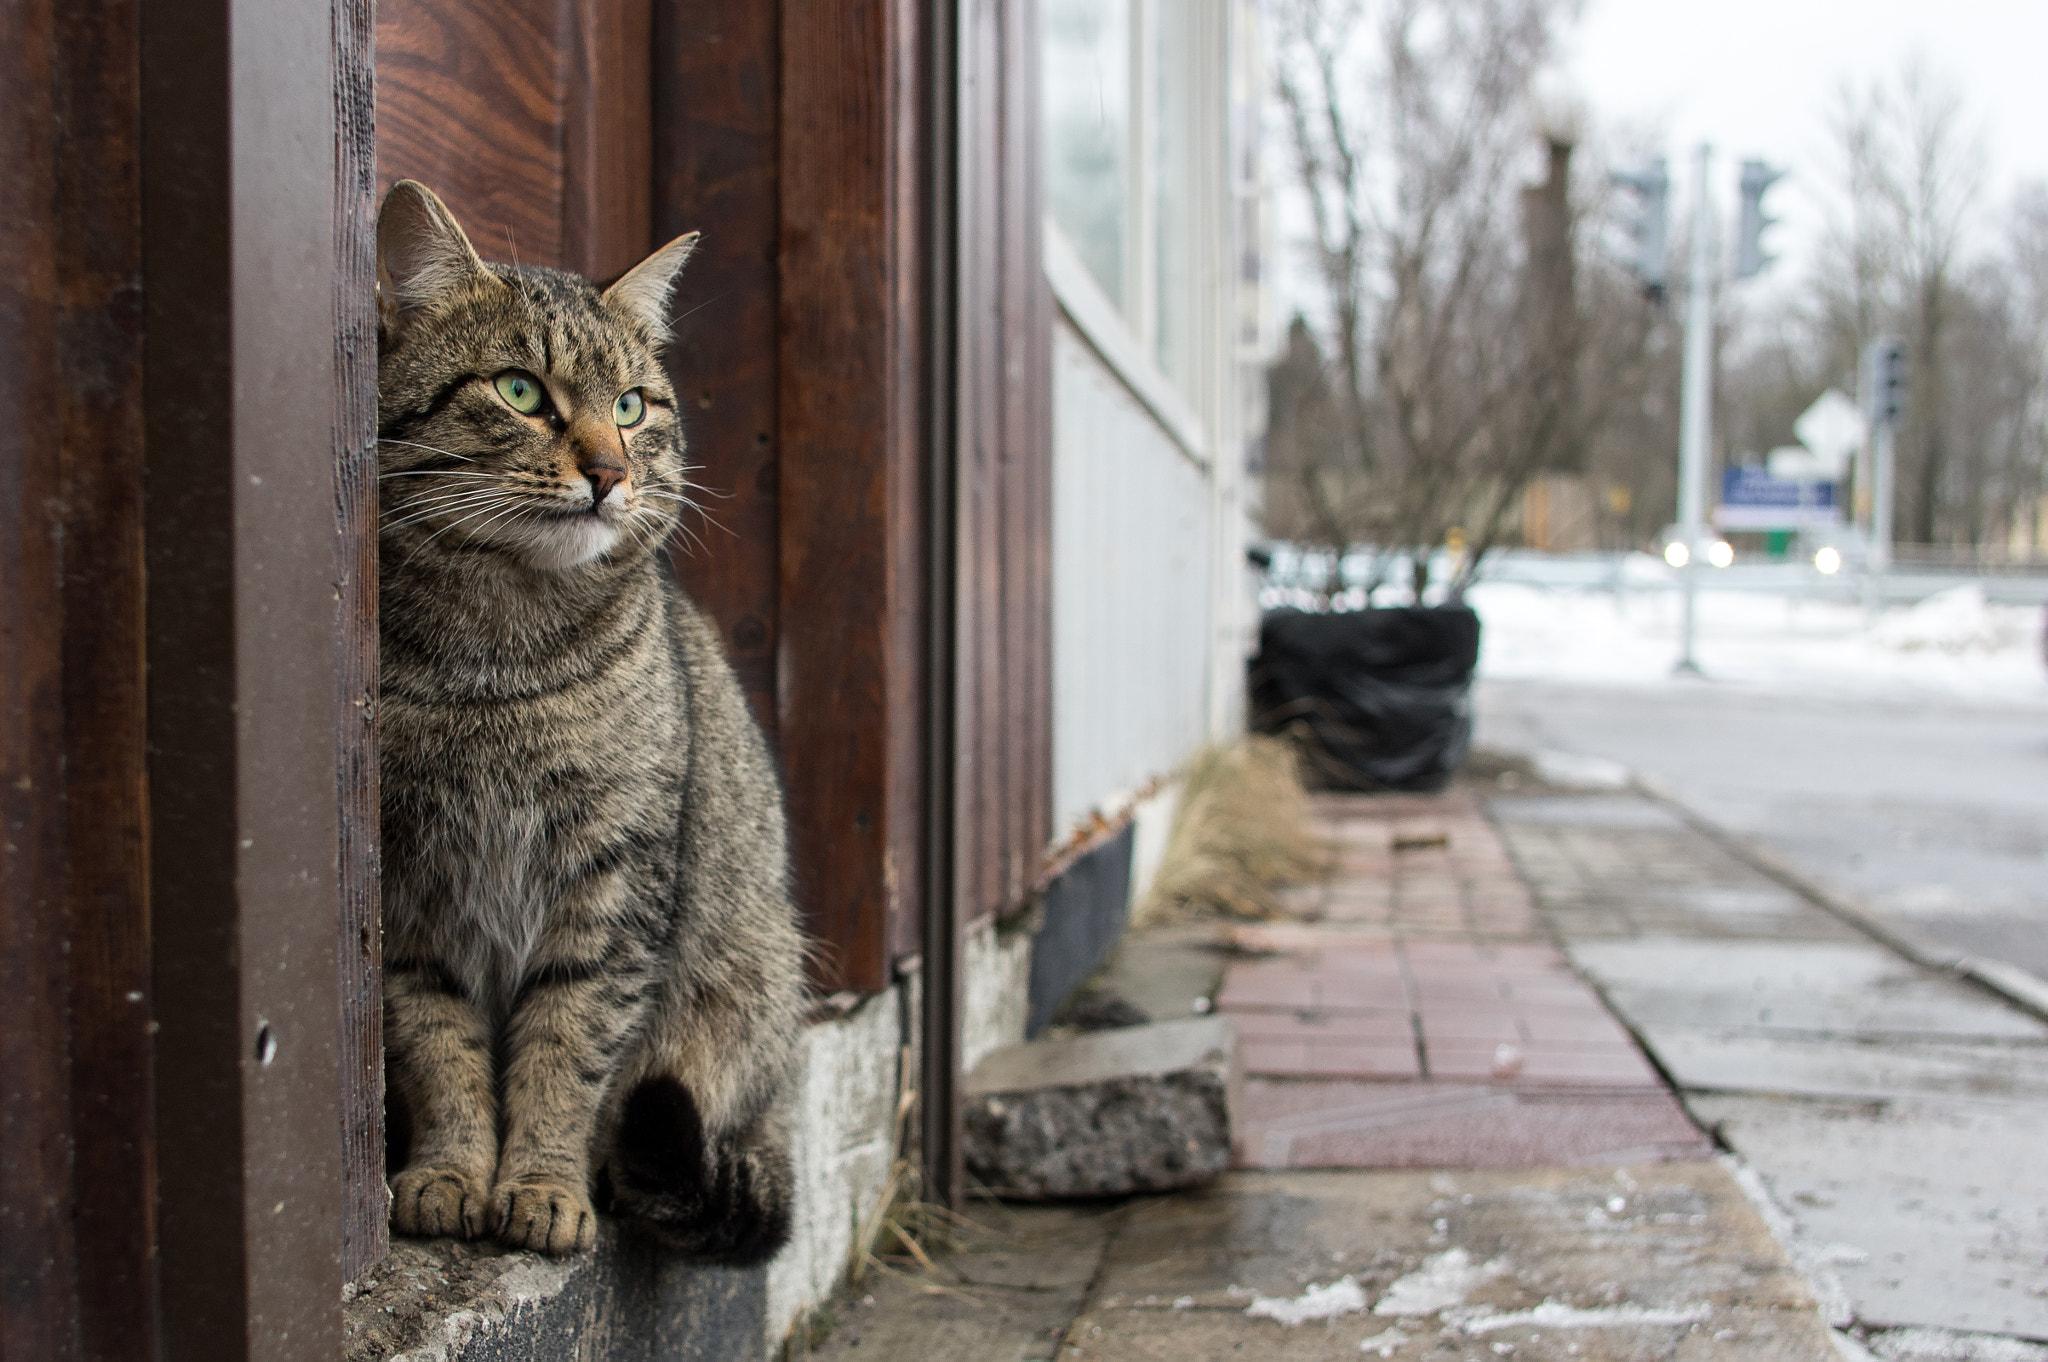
{"points": [[1934, 815]]}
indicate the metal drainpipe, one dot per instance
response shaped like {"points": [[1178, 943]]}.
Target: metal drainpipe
{"points": [[938, 1081]]}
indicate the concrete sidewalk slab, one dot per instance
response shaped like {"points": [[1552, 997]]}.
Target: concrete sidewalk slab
{"points": [[1895, 1113], [1825, 1067], [1646, 873], [1634, 1263], [1842, 988], [1928, 1214], [1007, 1291]]}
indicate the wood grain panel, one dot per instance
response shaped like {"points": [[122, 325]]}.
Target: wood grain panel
{"points": [[909, 514], [980, 778], [840, 449], [100, 334], [77, 1183], [717, 70], [532, 118], [38, 1244], [471, 103], [365, 1226], [1031, 302], [607, 136], [791, 137], [1004, 600], [1013, 468]]}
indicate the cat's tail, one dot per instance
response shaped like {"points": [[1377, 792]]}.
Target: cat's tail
{"points": [[725, 1200]]}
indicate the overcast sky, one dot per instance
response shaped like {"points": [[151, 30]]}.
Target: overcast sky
{"points": [[1756, 78]]}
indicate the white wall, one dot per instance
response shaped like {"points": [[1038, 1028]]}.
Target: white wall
{"points": [[1132, 545]]}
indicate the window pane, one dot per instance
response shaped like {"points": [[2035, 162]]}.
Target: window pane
{"points": [[1173, 165], [1087, 129]]}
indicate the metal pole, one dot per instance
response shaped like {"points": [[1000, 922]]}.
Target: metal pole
{"points": [[1696, 401], [1881, 507], [943, 997]]}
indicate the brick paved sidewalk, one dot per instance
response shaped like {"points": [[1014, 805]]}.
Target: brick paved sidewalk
{"points": [[1414, 1014]]}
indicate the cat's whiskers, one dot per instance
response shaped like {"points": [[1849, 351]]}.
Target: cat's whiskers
{"points": [[650, 531], [431, 449], [702, 515], [664, 528], [463, 519], [429, 506]]}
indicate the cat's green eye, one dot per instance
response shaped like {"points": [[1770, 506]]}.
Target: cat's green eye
{"points": [[522, 392], [630, 407]]}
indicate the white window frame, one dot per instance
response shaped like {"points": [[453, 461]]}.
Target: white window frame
{"points": [[1123, 331]]}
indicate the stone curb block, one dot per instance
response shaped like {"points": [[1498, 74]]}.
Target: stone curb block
{"points": [[1137, 1109]]}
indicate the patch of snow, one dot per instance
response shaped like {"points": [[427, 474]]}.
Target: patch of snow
{"points": [[1944, 1345], [1441, 1282], [1557, 1315], [1829, 1293], [1953, 645], [1341, 1297], [1959, 620], [1386, 1342], [1571, 771]]}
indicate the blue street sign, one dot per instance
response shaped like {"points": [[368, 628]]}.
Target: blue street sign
{"points": [[1751, 499]]}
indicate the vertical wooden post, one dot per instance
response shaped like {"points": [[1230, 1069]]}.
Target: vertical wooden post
{"points": [[365, 1222], [239, 257], [1003, 767], [849, 469]]}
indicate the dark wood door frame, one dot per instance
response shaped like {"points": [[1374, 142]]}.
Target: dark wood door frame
{"points": [[241, 426]]}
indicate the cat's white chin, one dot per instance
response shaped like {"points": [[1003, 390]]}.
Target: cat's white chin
{"points": [[570, 541]]}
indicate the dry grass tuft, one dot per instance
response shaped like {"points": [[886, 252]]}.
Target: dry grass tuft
{"points": [[1245, 830]]}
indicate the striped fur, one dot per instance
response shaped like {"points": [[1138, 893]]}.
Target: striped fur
{"points": [[593, 973]]}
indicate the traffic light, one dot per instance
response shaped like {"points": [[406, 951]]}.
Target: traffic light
{"points": [[1749, 251], [1652, 189], [1887, 361]]}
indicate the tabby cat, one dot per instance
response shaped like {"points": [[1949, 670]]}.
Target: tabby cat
{"points": [[592, 970]]}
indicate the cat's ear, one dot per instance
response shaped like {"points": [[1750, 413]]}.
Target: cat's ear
{"points": [[642, 292], [421, 253]]}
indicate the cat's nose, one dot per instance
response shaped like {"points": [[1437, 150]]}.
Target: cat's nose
{"points": [[603, 477]]}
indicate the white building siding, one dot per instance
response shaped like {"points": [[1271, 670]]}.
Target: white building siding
{"points": [[1131, 529]]}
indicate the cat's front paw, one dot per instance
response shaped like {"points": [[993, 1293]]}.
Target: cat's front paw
{"points": [[431, 1202], [546, 1216]]}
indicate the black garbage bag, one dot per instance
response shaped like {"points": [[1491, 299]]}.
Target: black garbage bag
{"points": [[1378, 699]]}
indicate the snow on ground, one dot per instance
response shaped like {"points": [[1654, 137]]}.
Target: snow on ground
{"points": [[1954, 645]]}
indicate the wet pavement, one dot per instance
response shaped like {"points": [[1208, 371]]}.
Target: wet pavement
{"points": [[1615, 1264], [1415, 1013], [1895, 1114], [1488, 1064], [1934, 813]]}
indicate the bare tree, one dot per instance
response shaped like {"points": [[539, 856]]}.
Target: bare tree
{"points": [[2021, 281], [1410, 122], [1910, 175]]}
